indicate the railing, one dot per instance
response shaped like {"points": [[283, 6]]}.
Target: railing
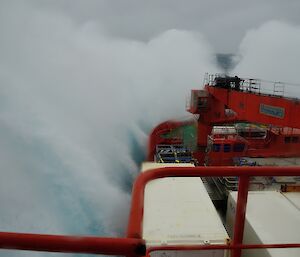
{"points": [[72, 244], [253, 86], [244, 174], [134, 245], [256, 86]]}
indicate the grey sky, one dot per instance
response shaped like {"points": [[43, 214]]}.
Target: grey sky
{"points": [[223, 23]]}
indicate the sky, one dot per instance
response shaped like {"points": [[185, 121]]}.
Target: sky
{"points": [[83, 82], [224, 23]]}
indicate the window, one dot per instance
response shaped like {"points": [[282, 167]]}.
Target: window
{"points": [[202, 102], [243, 133], [227, 148], [291, 140], [238, 147], [216, 147], [257, 134]]}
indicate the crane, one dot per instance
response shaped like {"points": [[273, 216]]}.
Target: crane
{"points": [[227, 100]]}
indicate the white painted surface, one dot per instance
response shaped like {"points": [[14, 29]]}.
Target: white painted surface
{"points": [[223, 130], [154, 165], [294, 198], [179, 211], [270, 218]]}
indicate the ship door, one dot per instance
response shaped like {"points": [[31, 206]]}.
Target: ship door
{"points": [[199, 101]]}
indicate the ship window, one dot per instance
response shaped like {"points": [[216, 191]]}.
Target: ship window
{"points": [[295, 139], [216, 147], [227, 148], [238, 147], [202, 102], [243, 133], [287, 139], [252, 134], [257, 134]]}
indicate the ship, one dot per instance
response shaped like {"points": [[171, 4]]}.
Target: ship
{"points": [[225, 182]]}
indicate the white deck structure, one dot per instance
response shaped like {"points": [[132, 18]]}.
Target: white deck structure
{"points": [[271, 218], [178, 211]]}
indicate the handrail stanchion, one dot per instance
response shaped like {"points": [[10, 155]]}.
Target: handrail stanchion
{"points": [[240, 215]]}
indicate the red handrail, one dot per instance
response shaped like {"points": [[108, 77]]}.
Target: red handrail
{"points": [[240, 214], [72, 244], [218, 247], [134, 245], [235, 247], [244, 173]]}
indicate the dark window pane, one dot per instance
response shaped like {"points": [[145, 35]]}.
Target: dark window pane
{"points": [[238, 147], [216, 147], [227, 148]]}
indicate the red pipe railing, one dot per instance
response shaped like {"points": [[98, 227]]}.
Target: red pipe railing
{"points": [[72, 244], [134, 245], [240, 213], [244, 173], [219, 247]]}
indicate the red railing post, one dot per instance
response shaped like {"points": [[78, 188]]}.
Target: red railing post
{"points": [[240, 215]]}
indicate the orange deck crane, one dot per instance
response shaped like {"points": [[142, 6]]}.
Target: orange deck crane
{"points": [[226, 100]]}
